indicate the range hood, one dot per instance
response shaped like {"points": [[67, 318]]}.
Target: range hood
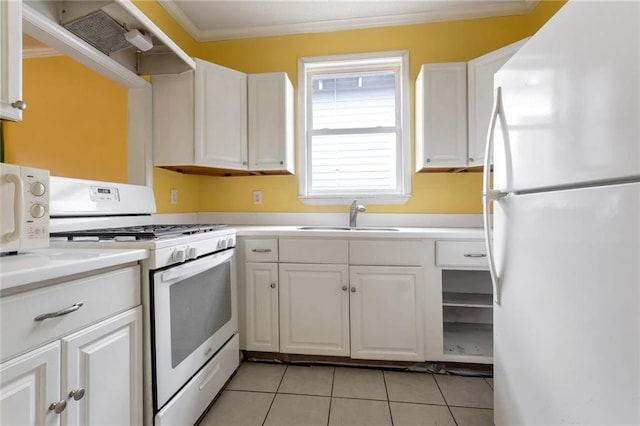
{"points": [[104, 24]]}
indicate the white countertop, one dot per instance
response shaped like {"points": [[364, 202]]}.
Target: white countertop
{"points": [[46, 264], [381, 232]]}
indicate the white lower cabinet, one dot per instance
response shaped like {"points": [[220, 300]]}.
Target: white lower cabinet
{"points": [[92, 377], [465, 333], [30, 384], [261, 309], [387, 313], [72, 352], [103, 370], [314, 309]]}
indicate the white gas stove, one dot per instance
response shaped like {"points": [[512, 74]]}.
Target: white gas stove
{"points": [[189, 290]]}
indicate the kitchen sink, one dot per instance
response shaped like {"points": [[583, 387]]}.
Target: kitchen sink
{"points": [[345, 228]]}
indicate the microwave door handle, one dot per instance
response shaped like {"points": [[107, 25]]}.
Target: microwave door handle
{"points": [[490, 195], [18, 207]]}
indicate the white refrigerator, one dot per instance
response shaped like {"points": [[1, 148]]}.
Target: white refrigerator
{"points": [[565, 245]]}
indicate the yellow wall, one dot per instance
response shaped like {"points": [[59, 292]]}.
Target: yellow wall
{"points": [[75, 123]]}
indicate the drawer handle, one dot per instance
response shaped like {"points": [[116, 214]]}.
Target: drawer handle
{"points": [[261, 250], [210, 375], [60, 313], [475, 255]]}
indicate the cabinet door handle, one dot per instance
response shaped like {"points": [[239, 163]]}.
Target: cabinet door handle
{"points": [[77, 394], [60, 313], [259, 250], [58, 407], [344, 288], [353, 289], [19, 104], [474, 255], [273, 285]]}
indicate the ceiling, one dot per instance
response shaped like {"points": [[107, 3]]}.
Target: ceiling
{"points": [[209, 20]]}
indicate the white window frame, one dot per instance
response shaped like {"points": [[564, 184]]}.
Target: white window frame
{"points": [[349, 63]]}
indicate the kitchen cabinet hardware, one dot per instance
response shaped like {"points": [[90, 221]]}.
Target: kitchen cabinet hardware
{"points": [[77, 394], [273, 285], [21, 105], [353, 289], [259, 250], [58, 407], [59, 313], [475, 255], [344, 288]]}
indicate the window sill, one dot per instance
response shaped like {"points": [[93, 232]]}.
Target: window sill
{"points": [[348, 199]]}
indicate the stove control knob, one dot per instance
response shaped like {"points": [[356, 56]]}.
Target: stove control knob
{"points": [[231, 242], [222, 243], [192, 252], [179, 255]]}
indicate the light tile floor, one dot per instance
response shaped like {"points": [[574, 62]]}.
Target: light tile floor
{"points": [[262, 394]]}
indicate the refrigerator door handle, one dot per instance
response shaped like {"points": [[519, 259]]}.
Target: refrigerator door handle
{"points": [[490, 195]]}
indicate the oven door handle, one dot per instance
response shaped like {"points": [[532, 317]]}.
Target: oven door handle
{"points": [[192, 268]]}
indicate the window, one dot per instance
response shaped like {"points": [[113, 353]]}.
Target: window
{"points": [[354, 138]]}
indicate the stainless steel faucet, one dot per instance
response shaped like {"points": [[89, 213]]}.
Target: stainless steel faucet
{"points": [[353, 213]]}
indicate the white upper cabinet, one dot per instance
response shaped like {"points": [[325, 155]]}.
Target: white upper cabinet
{"points": [[220, 117], [441, 116], [200, 118], [480, 74], [453, 108], [270, 122], [11, 103], [216, 120]]}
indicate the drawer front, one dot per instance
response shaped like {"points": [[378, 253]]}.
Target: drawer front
{"points": [[197, 394], [261, 250], [461, 253], [101, 296], [314, 251], [386, 253]]}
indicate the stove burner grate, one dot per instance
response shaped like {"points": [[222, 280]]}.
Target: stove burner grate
{"points": [[143, 232]]}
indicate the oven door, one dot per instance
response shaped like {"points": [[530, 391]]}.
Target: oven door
{"points": [[195, 313]]}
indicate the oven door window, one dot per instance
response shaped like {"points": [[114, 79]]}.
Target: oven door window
{"points": [[200, 305]]}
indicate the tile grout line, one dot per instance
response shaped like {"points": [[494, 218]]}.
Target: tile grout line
{"points": [[333, 379], [445, 399], [384, 379], [275, 394]]}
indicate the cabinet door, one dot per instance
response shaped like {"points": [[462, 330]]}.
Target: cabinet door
{"points": [[106, 361], [221, 117], [29, 385], [261, 292], [314, 309], [480, 83], [441, 116], [10, 60], [387, 313], [270, 122]]}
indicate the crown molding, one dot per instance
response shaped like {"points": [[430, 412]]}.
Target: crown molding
{"points": [[453, 14]]}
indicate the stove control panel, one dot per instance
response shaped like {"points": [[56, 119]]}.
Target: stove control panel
{"points": [[203, 245]]}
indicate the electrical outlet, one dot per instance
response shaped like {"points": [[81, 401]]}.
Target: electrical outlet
{"points": [[257, 197], [174, 196]]}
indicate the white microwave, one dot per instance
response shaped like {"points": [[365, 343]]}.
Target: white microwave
{"points": [[24, 198]]}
